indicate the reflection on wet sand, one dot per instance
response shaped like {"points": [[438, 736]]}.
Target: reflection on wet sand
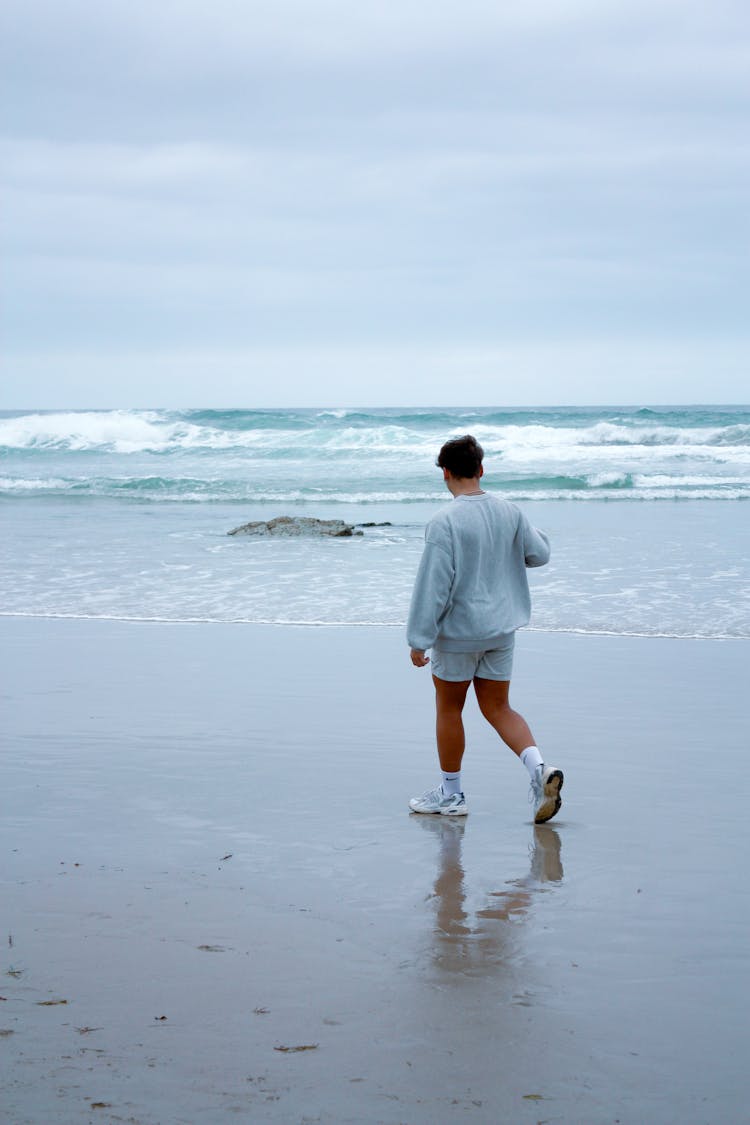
{"points": [[470, 940]]}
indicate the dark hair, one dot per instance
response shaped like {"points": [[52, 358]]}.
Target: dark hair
{"points": [[461, 456]]}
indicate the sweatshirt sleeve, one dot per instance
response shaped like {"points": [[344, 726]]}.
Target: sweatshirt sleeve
{"points": [[536, 549], [431, 593]]}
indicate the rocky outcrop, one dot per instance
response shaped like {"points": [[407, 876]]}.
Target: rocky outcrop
{"points": [[291, 527]]}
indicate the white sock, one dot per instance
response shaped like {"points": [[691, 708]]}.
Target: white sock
{"points": [[451, 783], [532, 759]]}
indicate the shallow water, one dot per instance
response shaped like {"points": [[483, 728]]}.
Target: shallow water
{"points": [[125, 514], [679, 569]]}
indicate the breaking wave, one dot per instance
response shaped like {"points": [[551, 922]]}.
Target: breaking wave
{"points": [[356, 456]]}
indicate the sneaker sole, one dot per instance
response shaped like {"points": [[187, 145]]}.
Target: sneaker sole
{"points": [[552, 802], [440, 812]]}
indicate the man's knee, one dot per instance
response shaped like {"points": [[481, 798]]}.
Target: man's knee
{"points": [[492, 696], [450, 706], [493, 709]]}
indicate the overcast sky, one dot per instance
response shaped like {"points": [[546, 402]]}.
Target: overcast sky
{"points": [[323, 202]]}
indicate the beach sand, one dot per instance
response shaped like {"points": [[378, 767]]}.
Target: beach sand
{"points": [[216, 906]]}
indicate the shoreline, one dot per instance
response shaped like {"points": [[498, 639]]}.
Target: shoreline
{"points": [[537, 629], [219, 904]]}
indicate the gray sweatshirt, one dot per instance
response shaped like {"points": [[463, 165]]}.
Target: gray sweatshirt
{"points": [[471, 587]]}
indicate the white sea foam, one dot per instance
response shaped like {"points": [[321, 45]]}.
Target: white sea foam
{"points": [[322, 623], [608, 480], [20, 484], [126, 432], [689, 480], [120, 430], [598, 486]]}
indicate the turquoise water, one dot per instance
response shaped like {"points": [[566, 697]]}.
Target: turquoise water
{"points": [[125, 513], [353, 457]]}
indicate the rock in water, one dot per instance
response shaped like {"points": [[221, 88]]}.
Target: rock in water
{"points": [[289, 527]]}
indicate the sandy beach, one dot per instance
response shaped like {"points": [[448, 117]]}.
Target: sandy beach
{"points": [[216, 906]]}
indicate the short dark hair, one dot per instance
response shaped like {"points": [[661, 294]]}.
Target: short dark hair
{"points": [[461, 456]]}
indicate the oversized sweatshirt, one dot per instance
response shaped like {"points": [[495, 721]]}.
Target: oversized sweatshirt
{"points": [[471, 587]]}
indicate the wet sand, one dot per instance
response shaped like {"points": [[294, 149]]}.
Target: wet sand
{"points": [[216, 906]]}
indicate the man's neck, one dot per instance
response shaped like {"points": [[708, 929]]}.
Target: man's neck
{"points": [[464, 486]]}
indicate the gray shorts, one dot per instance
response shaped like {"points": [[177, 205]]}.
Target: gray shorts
{"points": [[494, 664]]}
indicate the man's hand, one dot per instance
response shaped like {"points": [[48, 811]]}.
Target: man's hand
{"points": [[418, 658]]}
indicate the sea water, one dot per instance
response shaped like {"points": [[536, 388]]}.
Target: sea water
{"points": [[125, 514]]}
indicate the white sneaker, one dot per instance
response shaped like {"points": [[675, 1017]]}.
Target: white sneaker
{"points": [[436, 802], [545, 793]]}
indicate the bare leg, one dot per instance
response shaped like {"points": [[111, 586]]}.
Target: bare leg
{"points": [[449, 703], [492, 697]]}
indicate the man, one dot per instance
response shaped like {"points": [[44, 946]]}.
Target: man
{"points": [[470, 596]]}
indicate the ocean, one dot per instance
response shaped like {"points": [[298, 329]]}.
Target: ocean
{"points": [[125, 513]]}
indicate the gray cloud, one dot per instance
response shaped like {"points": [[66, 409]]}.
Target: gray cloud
{"points": [[256, 179]]}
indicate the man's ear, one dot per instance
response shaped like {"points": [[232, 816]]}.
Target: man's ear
{"points": [[481, 471], [446, 474]]}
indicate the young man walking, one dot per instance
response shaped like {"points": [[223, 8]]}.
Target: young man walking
{"points": [[470, 596]]}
